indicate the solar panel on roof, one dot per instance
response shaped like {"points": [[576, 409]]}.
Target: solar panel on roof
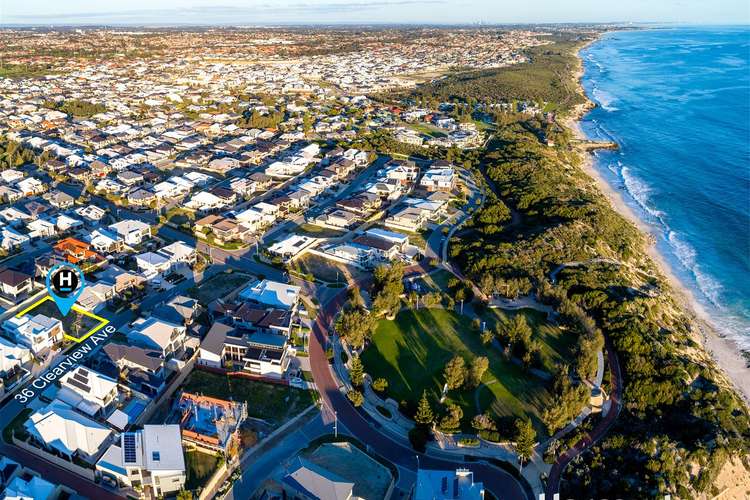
{"points": [[81, 378], [128, 444], [82, 371], [78, 384]]}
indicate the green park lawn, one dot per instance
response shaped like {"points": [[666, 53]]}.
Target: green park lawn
{"points": [[411, 352], [557, 346], [434, 282]]}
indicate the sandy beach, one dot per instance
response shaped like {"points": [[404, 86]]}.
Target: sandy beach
{"points": [[724, 351]]}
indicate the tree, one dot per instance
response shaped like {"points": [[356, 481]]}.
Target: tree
{"points": [[483, 422], [566, 404], [525, 439], [486, 337], [355, 397], [354, 325], [479, 365], [388, 286], [184, 495], [451, 421], [455, 372], [517, 330], [356, 372], [424, 415], [418, 437], [380, 384]]}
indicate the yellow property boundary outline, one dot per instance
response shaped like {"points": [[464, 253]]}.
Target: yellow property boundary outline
{"points": [[102, 321]]}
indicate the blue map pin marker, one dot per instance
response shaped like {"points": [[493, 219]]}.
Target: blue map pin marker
{"points": [[65, 283]]}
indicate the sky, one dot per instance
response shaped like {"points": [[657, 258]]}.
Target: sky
{"points": [[251, 12]]}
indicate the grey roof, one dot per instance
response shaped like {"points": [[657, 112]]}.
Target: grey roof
{"points": [[214, 341], [177, 310], [146, 358], [316, 482]]}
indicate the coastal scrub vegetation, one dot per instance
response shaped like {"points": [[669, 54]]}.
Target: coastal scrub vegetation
{"points": [[542, 79], [546, 231]]}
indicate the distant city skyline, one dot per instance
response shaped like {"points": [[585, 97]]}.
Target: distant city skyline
{"points": [[265, 12]]}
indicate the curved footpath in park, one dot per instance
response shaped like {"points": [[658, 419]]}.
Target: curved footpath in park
{"points": [[499, 482], [553, 481]]}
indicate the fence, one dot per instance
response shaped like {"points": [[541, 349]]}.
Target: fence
{"points": [[251, 376], [60, 462], [173, 386]]}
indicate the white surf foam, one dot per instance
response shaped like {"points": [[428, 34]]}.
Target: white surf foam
{"points": [[640, 192], [604, 99]]}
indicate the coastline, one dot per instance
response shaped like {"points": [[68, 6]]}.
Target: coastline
{"points": [[724, 352]]}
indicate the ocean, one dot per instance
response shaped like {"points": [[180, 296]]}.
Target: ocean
{"points": [[677, 101]]}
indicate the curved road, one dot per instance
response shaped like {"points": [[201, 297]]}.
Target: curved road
{"points": [[499, 482], [553, 482]]}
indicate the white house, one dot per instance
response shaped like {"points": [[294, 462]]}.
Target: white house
{"points": [[270, 212], [36, 332], [205, 201], [95, 296], [64, 222], [12, 239], [104, 241], [272, 293], [157, 334], [88, 391], [439, 179], [12, 357], [179, 253], [58, 427], [151, 457], [41, 228], [91, 212], [30, 487], [152, 264], [131, 231]]}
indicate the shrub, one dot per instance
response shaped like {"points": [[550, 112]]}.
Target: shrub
{"points": [[469, 442], [355, 397], [418, 437], [492, 436], [379, 384]]}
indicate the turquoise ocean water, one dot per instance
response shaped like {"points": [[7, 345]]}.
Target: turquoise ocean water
{"points": [[677, 101]]}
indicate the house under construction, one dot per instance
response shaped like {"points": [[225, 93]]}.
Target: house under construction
{"points": [[210, 423]]}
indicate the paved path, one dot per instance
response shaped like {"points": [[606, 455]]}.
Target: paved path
{"points": [[553, 482]]}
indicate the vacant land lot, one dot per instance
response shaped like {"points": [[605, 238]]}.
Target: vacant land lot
{"points": [[317, 231], [74, 323], [271, 402], [325, 270], [200, 466], [218, 286], [411, 352]]}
